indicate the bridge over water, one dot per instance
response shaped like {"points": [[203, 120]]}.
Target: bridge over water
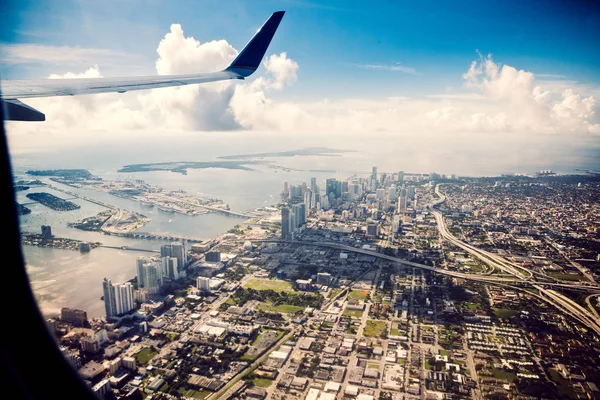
{"points": [[162, 236]]}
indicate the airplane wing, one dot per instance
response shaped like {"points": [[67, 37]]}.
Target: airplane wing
{"points": [[243, 66]]}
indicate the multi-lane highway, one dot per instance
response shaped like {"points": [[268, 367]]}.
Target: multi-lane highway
{"points": [[545, 289]]}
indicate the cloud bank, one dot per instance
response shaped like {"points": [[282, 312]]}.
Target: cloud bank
{"points": [[494, 99]]}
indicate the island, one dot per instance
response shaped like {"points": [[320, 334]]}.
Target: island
{"points": [[112, 221], [307, 151], [33, 239], [63, 173], [182, 166], [53, 202]]}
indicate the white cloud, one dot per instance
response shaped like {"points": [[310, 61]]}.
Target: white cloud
{"points": [[496, 98], [394, 68]]}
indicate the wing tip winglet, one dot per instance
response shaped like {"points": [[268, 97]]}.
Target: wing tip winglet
{"points": [[252, 54]]}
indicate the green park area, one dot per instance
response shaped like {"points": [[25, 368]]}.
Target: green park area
{"points": [[269, 284], [358, 295], [375, 329], [145, 355], [262, 382], [505, 313], [281, 308], [353, 313]]}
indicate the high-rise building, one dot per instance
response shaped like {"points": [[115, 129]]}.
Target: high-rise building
{"points": [[374, 173], [285, 191], [395, 224], [392, 193], [203, 283], [325, 202], [373, 230], [110, 307], [149, 275], [308, 199], [324, 278], [299, 213], [400, 178], [313, 185], [176, 250], [124, 300], [213, 256], [46, 232], [411, 190], [285, 223], [169, 267], [402, 202], [331, 188], [118, 298], [380, 194], [73, 316]]}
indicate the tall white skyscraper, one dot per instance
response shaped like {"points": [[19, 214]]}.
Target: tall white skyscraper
{"points": [[149, 276], [392, 193], [380, 194], [124, 300], [308, 199], [169, 267], [118, 298], [109, 298], [325, 202]]}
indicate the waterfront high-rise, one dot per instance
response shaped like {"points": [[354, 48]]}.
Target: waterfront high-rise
{"points": [[149, 275], [46, 232], [169, 267], [176, 250], [118, 298], [124, 300]]}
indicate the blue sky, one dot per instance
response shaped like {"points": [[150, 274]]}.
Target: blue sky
{"points": [[331, 41], [390, 68]]}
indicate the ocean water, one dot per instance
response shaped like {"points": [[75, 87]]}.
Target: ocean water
{"points": [[67, 278]]}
